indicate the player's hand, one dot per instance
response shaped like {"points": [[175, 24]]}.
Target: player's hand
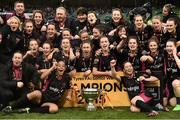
{"points": [[20, 84], [112, 63]]}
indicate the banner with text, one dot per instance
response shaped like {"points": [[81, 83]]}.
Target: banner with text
{"points": [[113, 95]]}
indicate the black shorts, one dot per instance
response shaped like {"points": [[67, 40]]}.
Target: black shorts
{"points": [[46, 98]]}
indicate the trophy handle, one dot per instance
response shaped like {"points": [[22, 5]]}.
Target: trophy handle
{"points": [[78, 94]]}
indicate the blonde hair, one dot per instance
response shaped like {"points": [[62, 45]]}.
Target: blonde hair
{"points": [[157, 17], [14, 17]]}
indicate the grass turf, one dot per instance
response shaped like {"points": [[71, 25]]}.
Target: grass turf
{"points": [[81, 113]]}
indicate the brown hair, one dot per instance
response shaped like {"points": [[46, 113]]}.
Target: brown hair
{"points": [[93, 13], [153, 39], [81, 10], [172, 19], [172, 40], [48, 42], [88, 42], [120, 27], [132, 37], [38, 11], [33, 39], [28, 21], [138, 15], [122, 17], [66, 29], [19, 1]]}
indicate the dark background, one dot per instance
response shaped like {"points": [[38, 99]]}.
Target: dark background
{"points": [[90, 3]]}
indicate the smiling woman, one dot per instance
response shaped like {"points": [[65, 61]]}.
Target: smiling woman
{"points": [[17, 76], [103, 58]]}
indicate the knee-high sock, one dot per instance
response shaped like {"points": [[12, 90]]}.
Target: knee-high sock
{"points": [[20, 102], [178, 100], [44, 109], [143, 106]]}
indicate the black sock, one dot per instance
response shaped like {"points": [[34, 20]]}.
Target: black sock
{"points": [[178, 100], [44, 109], [22, 101], [143, 106]]}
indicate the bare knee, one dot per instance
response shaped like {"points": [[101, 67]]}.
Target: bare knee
{"points": [[53, 108], [134, 109], [172, 101], [34, 95], [176, 83]]}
